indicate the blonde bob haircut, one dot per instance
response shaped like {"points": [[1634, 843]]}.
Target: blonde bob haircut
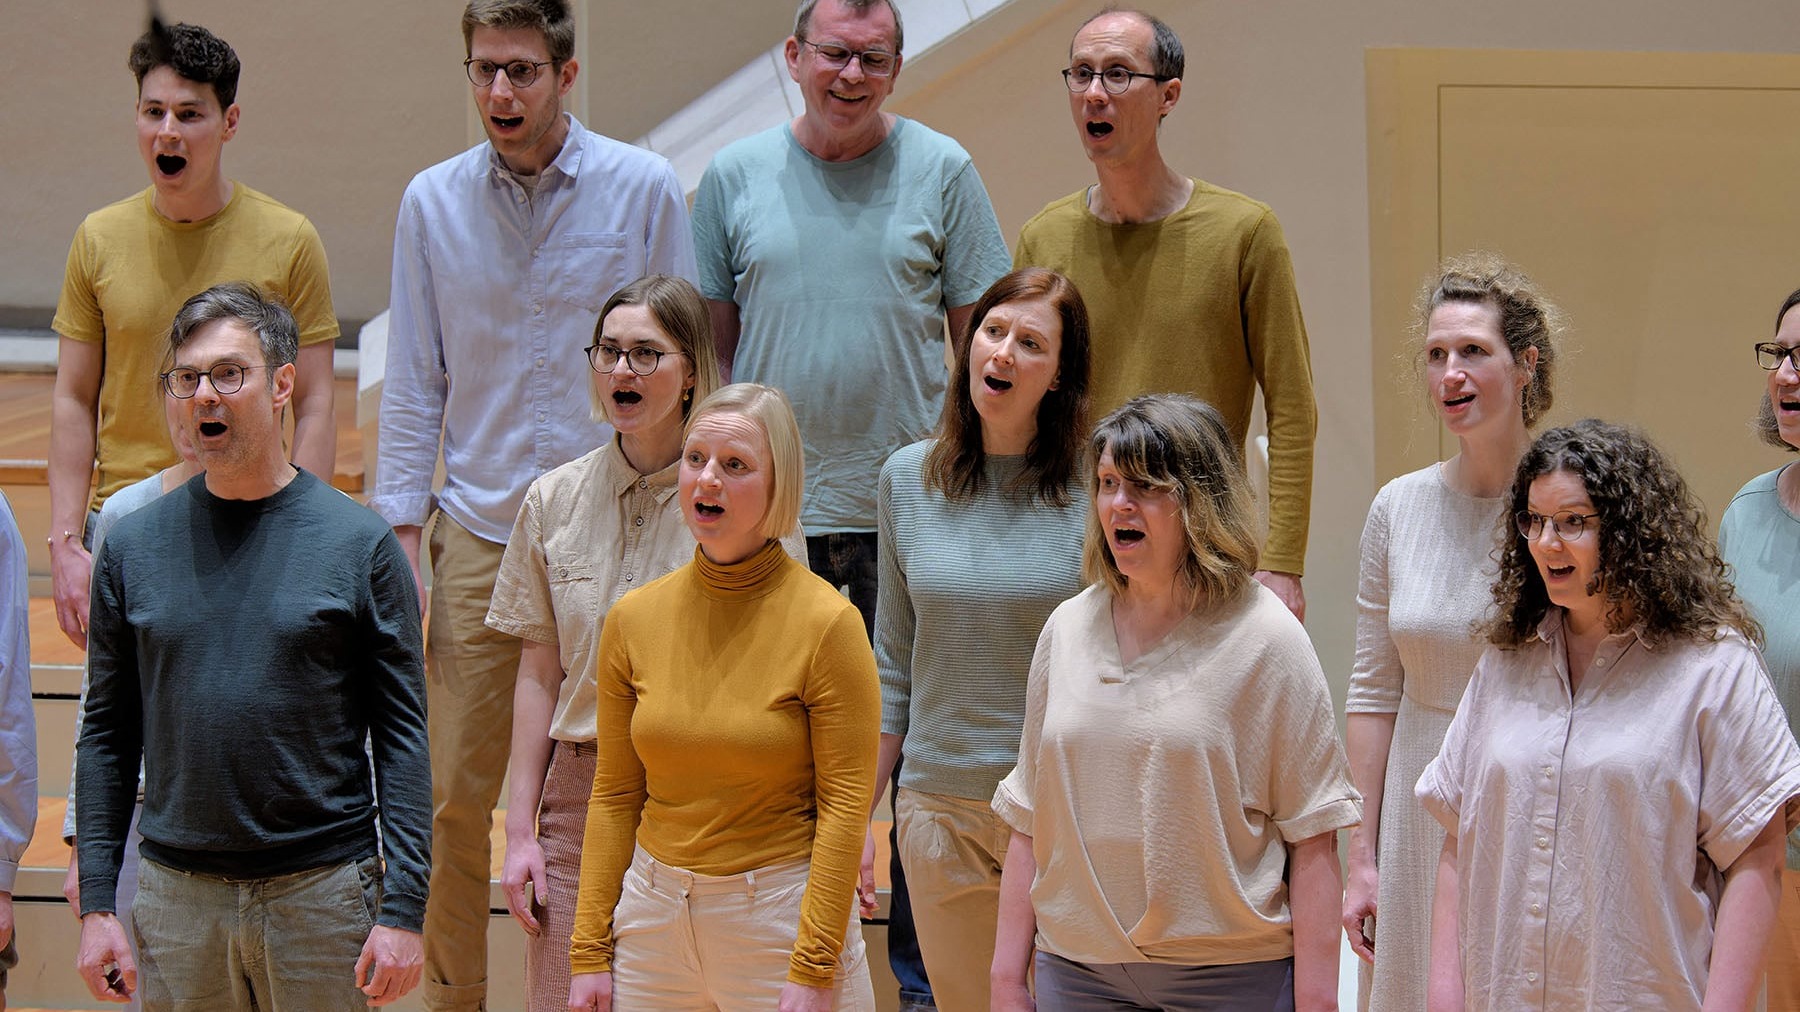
{"points": [[769, 409], [1179, 445], [681, 314]]}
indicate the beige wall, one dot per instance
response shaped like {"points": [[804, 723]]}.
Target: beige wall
{"points": [[1273, 105], [343, 100]]}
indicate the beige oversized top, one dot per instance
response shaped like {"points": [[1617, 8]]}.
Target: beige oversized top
{"points": [[587, 532], [1160, 795], [1593, 830]]}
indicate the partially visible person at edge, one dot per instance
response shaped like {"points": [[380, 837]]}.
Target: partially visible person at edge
{"points": [[1189, 286], [131, 266], [18, 731], [980, 539], [127, 500], [1619, 777], [738, 718], [835, 249], [1488, 355], [589, 531], [252, 593], [503, 256], [1180, 783], [1759, 538]]}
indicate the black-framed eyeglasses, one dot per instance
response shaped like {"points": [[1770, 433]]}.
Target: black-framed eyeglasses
{"points": [[226, 378], [1770, 355], [1569, 525], [875, 62], [519, 73], [1114, 79], [642, 359]]}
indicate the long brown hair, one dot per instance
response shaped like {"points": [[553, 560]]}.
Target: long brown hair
{"points": [[954, 463]]}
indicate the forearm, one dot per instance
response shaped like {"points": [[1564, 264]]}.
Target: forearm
{"points": [[1315, 895], [1368, 738], [1747, 915], [887, 756], [534, 705], [1015, 934], [315, 424], [1445, 986], [71, 465]]}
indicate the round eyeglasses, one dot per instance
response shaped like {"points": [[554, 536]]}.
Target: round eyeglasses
{"points": [[642, 359], [226, 378], [1114, 79], [1568, 524], [1770, 355], [519, 73], [875, 62]]}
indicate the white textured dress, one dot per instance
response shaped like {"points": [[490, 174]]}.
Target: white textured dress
{"points": [[1425, 583]]}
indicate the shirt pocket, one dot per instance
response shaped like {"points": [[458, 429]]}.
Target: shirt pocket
{"points": [[587, 267], [575, 598]]}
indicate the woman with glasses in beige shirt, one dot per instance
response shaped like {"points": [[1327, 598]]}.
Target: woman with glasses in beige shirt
{"points": [[588, 531], [1619, 779]]}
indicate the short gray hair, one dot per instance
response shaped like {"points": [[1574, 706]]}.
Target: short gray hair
{"points": [[803, 18], [249, 305]]}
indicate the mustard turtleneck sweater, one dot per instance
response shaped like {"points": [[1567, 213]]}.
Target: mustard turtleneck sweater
{"points": [[739, 713]]}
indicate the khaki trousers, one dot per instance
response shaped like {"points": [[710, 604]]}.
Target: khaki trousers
{"points": [[953, 850], [684, 941], [470, 670], [562, 823]]}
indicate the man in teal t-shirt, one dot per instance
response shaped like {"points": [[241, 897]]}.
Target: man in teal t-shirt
{"points": [[833, 249]]}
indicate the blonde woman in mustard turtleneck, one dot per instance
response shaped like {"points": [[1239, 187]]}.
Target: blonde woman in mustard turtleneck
{"points": [[738, 717]]}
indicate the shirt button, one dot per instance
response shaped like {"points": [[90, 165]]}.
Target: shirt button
{"points": [[1543, 843], [643, 483], [1599, 662], [639, 522], [537, 252], [1531, 975], [1537, 910], [542, 416], [538, 308], [630, 577], [540, 362]]}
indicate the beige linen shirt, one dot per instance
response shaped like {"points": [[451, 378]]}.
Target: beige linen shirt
{"points": [[587, 532], [1161, 795], [1593, 829]]}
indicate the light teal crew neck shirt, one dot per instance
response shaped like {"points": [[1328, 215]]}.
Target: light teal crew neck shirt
{"points": [[965, 591], [1760, 539]]}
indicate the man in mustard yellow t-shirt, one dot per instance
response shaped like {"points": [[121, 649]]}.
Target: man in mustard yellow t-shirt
{"points": [[1188, 286], [133, 264]]}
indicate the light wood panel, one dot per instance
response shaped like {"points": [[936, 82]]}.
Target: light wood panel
{"points": [[1652, 194]]}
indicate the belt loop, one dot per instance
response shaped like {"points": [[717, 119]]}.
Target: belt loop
{"points": [[649, 862], [750, 882]]}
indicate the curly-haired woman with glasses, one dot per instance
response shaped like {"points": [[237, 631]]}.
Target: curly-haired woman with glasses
{"points": [[1618, 780], [1759, 538]]}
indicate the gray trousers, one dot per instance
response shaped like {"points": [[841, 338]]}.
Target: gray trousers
{"points": [[1067, 986]]}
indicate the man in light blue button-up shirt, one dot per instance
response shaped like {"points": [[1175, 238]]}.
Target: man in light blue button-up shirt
{"points": [[503, 256]]}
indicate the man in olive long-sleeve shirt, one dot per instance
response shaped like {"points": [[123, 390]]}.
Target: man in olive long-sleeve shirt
{"points": [[248, 633]]}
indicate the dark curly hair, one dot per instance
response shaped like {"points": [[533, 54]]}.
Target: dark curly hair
{"points": [[953, 464], [1765, 424], [191, 51], [1658, 568]]}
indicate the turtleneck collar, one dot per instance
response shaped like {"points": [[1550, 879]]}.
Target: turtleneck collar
{"points": [[740, 581]]}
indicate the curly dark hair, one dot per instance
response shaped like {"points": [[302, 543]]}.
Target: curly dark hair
{"points": [[1766, 426], [191, 51], [953, 464], [1658, 568]]}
